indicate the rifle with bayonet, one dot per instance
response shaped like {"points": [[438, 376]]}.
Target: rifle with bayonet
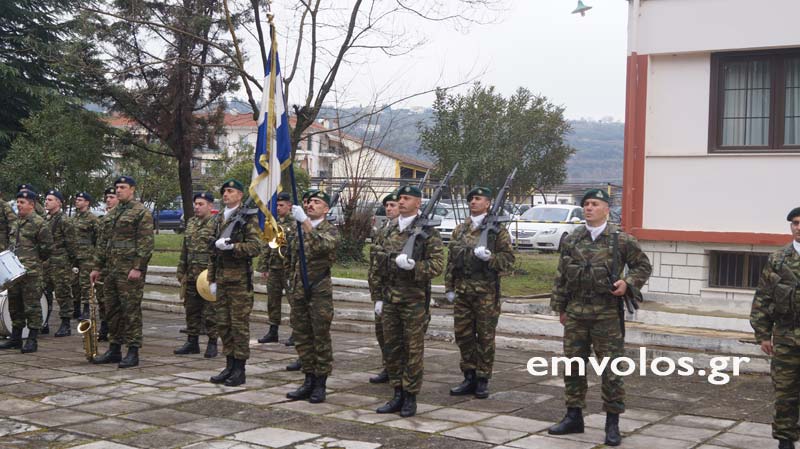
{"points": [[335, 200], [425, 220], [495, 217], [424, 180], [236, 220], [632, 297]]}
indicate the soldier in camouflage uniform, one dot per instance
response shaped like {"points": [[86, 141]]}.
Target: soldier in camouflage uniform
{"points": [[472, 280], [274, 267], [125, 248], [230, 273], [37, 205], [111, 200], [296, 365], [312, 310], [87, 230], [7, 220], [376, 289], [62, 265], [590, 307], [774, 319], [32, 243], [405, 309], [195, 254]]}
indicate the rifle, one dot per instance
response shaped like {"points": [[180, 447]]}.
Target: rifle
{"points": [[494, 218], [335, 200], [238, 219], [424, 180], [425, 219], [630, 300]]}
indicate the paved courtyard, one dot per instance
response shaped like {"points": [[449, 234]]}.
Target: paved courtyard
{"points": [[54, 398]]}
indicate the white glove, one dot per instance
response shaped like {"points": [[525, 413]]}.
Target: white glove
{"points": [[213, 288], [299, 214], [223, 244], [378, 308], [482, 253], [450, 297], [404, 262]]}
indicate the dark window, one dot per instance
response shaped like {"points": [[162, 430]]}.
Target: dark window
{"points": [[407, 173], [420, 174], [755, 101], [736, 270]]}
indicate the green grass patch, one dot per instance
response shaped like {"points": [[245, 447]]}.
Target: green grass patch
{"points": [[168, 242]]}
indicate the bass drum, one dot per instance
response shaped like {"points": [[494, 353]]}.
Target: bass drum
{"points": [[5, 322]]}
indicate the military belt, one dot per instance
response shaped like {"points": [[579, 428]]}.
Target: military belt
{"points": [[198, 258], [123, 244]]}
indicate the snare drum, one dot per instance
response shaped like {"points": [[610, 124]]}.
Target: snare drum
{"points": [[5, 322], [11, 269]]}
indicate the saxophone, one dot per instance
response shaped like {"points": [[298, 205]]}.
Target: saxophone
{"points": [[88, 328]]}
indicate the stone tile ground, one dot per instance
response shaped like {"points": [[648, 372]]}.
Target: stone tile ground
{"points": [[55, 399]]}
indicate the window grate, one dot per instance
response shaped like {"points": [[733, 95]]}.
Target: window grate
{"points": [[736, 269]]}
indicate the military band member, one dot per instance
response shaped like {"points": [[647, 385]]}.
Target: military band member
{"points": [[58, 270], [589, 307], [38, 205], [312, 310], [774, 320], [195, 256], [230, 273], [274, 267], [7, 220], [32, 243], [87, 230], [473, 280], [128, 243], [111, 200], [405, 309]]}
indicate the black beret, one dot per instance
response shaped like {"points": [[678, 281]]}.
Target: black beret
{"points": [[56, 194], [390, 197], [85, 196], [284, 196], [410, 191], [320, 194], [596, 194], [110, 191], [231, 184], [208, 196], [793, 213], [125, 180], [479, 191], [28, 195], [27, 187]]}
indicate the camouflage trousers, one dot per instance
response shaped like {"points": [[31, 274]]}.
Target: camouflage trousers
{"points": [[379, 336], [604, 336], [275, 284], [84, 284], [311, 328], [474, 322], [58, 278], [24, 302], [199, 312], [233, 308], [404, 325], [785, 370], [123, 304]]}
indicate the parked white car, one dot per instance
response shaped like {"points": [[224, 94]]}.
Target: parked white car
{"points": [[544, 227]]}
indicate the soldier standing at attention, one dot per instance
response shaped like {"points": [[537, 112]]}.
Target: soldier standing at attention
{"points": [[32, 242], [312, 311], [7, 220], [376, 289], [63, 262], [37, 206], [472, 279], [126, 246], [274, 267], [774, 318], [230, 273], [295, 365], [87, 230], [589, 307], [405, 311], [111, 200]]}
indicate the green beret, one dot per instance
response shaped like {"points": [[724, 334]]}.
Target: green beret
{"points": [[793, 213], [410, 191], [232, 184], [125, 180], [319, 194], [596, 194], [390, 197], [479, 191]]}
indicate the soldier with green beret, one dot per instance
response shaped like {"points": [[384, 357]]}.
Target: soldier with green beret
{"points": [[58, 270]]}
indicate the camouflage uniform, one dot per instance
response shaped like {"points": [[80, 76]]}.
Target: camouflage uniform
{"points": [[58, 273], [194, 259], [583, 291], [33, 244], [311, 316], [377, 290], [87, 231], [774, 316], [104, 228], [7, 220], [278, 268], [126, 243], [405, 311], [477, 286]]}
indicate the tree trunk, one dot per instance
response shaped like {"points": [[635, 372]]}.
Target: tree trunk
{"points": [[185, 178]]}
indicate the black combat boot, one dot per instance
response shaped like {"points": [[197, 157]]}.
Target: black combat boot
{"points": [[102, 334], [572, 423], [211, 349], [482, 388], [76, 309], [395, 403], [30, 344], [192, 346], [785, 444], [613, 437], [225, 373], [237, 376], [271, 336], [64, 330], [409, 405], [45, 329], [467, 386], [85, 312], [381, 378], [294, 366], [131, 358], [15, 341], [318, 393], [113, 355], [304, 392], [290, 341]]}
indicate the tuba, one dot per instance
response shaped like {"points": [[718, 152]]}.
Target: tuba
{"points": [[88, 328]]}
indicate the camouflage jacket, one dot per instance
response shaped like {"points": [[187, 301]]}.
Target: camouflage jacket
{"points": [[582, 287], [775, 304], [32, 241], [87, 231], [465, 273], [65, 249], [126, 241], [196, 248], [270, 260], [7, 220], [319, 247], [377, 289], [409, 285], [235, 264]]}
